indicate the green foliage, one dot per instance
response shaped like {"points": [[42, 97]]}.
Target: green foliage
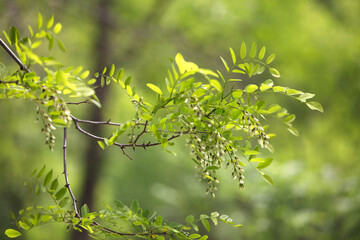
{"points": [[224, 121], [140, 223]]}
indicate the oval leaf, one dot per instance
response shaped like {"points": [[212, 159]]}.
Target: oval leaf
{"points": [[315, 106], [274, 72], [253, 50], [11, 233], [262, 53], [154, 88], [270, 58]]}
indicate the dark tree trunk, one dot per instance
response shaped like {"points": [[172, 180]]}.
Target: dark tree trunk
{"points": [[93, 161]]}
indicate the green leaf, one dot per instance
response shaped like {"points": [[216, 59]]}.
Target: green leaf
{"points": [[84, 210], [85, 74], [251, 88], [54, 185], [154, 88], [128, 80], [11, 233], [274, 72], [23, 225], [291, 92], [266, 85], [273, 108], [179, 59], [257, 160], [206, 224], [225, 64], [213, 168], [262, 53], [40, 20], [278, 89], [41, 172], [61, 45], [164, 142], [203, 237], [216, 84], [57, 28], [251, 152], [14, 35], [31, 31], [243, 50], [290, 118], [50, 22], [270, 58], [293, 131], [253, 50], [112, 70], [237, 93], [190, 219], [233, 56], [36, 44], [135, 206], [129, 90], [303, 97], [64, 202], [194, 236], [60, 193], [120, 74], [48, 177], [265, 163], [91, 81], [315, 106], [268, 179]]}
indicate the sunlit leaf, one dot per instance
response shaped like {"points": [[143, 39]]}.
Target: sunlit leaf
{"points": [[135, 206], [50, 22], [206, 224], [40, 20], [315, 106], [11, 233], [154, 88], [274, 72], [268, 179], [112, 70], [225, 64], [265, 163], [262, 53], [251, 88], [270, 58], [243, 50], [233, 56], [253, 50], [57, 28]]}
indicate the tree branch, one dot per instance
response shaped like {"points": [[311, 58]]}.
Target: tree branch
{"points": [[13, 56], [67, 185]]}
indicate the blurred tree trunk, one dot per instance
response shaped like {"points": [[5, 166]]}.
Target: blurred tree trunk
{"points": [[94, 160]]}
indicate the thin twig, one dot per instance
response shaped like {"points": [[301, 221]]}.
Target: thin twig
{"points": [[143, 131], [67, 185], [108, 230], [12, 54], [96, 122], [16, 82], [78, 103]]}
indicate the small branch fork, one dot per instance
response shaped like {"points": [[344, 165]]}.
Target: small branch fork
{"points": [[123, 146]]}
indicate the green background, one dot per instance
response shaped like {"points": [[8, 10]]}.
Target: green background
{"points": [[317, 44]]}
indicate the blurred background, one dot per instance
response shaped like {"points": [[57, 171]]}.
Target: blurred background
{"points": [[317, 44]]}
